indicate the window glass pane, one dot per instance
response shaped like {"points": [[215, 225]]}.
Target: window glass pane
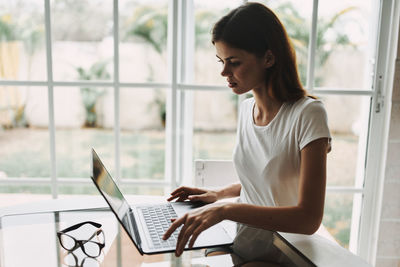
{"points": [[206, 68], [22, 40], [84, 119], [83, 189], [337, 216], [24, 135], [142, 123], [342, 44], [143, 40], [214, 123], [82, 39], [66, 191], [296, 16], [348, 123], [143, 190]]}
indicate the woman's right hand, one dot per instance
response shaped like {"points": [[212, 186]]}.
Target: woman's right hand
{"points": [[193, 194]]}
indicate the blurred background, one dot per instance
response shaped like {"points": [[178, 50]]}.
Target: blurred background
{"points": [[83, 50]]}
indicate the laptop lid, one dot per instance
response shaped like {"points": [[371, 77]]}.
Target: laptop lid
{"points": [[113, 196]]}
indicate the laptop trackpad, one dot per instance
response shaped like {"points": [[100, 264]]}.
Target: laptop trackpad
{"points": [[181, 208], [216, 235]]}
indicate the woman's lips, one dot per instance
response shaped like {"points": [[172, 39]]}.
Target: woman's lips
{"points": [[231, 84]]}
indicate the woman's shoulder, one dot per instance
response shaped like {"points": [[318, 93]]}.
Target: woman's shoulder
{"points": [[248, 101], [306, 104], [247, 104]]}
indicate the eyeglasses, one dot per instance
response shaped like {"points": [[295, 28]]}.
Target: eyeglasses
{"points": [[89, 247]]}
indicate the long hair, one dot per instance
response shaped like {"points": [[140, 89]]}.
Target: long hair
{"points": [[254, 28]]}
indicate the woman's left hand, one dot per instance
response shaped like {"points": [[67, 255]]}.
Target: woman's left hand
{"points": [[193, 224]]}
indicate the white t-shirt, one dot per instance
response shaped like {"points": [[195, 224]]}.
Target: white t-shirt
{"points": [[267, 158]]}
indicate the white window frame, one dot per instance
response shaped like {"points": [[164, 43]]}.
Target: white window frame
{"points": [[178, 166]]}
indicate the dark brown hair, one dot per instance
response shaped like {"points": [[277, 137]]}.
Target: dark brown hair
{"points": [[254, 28]]}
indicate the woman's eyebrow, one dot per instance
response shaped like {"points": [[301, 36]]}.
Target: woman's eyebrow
{"points": [[228, 58]]}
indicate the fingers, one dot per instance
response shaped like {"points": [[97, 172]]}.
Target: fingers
{"points": [[191, 224], [195, 235], [197, 197], [206, 198], [172, 197], [183, 192], [176, 223], [182, 188]]}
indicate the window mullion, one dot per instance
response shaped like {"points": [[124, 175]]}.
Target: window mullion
{"points": [[117, 131], [379, 129], [52, 139], [187, 42], [171, 106], [311, 48]]}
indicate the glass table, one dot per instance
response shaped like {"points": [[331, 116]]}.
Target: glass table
{"points": [[28, 237]]}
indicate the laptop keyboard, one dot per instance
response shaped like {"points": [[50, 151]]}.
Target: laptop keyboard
{"points": [[158, 220]]}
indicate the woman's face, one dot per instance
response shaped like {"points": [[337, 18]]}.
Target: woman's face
{"points": [[244, 71]]}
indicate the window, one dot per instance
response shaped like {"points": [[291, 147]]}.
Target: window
{"points": [[138, 81]]}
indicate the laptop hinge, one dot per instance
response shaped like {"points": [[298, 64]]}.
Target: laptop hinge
{"points": [[135, 229]]}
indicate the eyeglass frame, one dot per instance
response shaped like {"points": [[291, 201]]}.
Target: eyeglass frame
{"points": [[80, 243]]}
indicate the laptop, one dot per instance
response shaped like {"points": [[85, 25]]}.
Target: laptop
{"points": [[146, 224]]}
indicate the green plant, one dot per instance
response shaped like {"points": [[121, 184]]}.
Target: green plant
{"points": [[30, 32], [91, 95], [160, 103], [329, 36], [151, 25], [8, 29]]}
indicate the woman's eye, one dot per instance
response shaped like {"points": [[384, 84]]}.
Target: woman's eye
{"points": [[220, 61], [235, 64]]}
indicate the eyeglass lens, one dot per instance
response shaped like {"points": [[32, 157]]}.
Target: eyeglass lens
{"points": [[67, 242], [90, 247]]}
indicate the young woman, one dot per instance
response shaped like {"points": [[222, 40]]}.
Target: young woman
{"points": [[282, 136]]}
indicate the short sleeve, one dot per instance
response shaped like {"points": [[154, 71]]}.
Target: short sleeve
{"points": [[313, 124]]}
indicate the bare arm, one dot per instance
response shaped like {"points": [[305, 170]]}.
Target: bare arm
{"points": [[232, 190], [303, 218], [209, 196]]}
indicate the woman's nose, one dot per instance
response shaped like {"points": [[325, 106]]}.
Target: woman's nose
{"points": [[225, 71]]}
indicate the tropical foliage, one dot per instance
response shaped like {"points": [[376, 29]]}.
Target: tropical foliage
{"points": [[329, 36], [91, 95]]}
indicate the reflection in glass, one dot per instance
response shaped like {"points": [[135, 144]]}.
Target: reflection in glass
{"points": [[256, 244], [106, 184], [71, 260]]}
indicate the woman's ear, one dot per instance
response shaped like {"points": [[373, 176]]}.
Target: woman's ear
{"points": [[269, 59]]}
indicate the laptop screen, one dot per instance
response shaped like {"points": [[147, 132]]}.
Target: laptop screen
{"points": [[110, 191], [107, 185]]}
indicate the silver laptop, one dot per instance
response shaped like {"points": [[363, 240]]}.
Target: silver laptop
{"points": [[146, 224]]}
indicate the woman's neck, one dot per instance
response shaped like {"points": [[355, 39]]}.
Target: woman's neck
{"points": [[266, 107]]}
